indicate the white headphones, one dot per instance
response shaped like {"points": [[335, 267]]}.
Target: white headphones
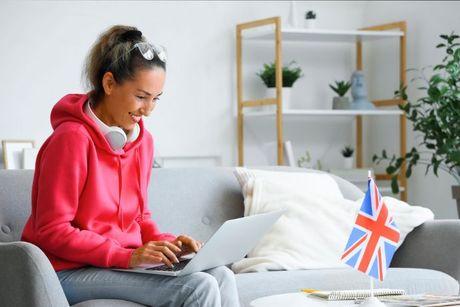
{"points": [[116, 137]]}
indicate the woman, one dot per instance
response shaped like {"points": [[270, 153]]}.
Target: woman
{"points": [[89, 195]]}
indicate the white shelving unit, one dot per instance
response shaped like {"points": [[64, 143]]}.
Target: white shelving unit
{"points": [[306, 113], [270, 29], [321, 35]]}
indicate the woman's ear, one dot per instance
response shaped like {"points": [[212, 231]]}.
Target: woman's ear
{"points": [[108, 82]]}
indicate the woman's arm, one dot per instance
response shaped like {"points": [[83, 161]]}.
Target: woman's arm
{"points": [[63, 170]]}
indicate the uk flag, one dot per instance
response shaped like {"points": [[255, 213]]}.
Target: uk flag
{"points": [[374, 238]]}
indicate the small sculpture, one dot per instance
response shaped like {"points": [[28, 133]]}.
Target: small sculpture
{"points": [[359, 92]]}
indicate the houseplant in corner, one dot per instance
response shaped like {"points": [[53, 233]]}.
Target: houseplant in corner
{"points": [[290, 75], [310, 19], [341, 88], [347, 153], [436, 116]]}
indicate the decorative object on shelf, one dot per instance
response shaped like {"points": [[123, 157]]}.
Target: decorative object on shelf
{"points": [[13, 152], [341, 102], [292, 15], [290, 75], [289, 153], [157, 164], [310, 20], [347, 153], [304, 161], [359, 92], [436, 117]]}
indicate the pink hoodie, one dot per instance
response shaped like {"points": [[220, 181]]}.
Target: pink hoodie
{"points": [[89, 203]]}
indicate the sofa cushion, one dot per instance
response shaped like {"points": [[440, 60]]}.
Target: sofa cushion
{"points": [[414, 281]]}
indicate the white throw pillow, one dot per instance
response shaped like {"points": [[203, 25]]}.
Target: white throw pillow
{"points": [[306, 182], [313, 232]]}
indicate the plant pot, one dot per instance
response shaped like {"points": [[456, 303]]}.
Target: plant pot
{"points": [[456, 196], [348, 162], [341, 103], [309, 23], [286, 97]]}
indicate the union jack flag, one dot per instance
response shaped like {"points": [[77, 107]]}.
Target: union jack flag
{"points": [[374, 238]]}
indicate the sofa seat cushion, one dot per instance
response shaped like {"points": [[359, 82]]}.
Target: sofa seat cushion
{"points": [[414, 281], [107, 303]]}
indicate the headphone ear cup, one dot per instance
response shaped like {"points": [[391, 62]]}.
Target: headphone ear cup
{"points": [[116, 138]]}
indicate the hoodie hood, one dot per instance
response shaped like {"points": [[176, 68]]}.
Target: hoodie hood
{"points": [[71, 109]]}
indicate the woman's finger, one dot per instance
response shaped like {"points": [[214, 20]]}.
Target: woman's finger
{"points": [[148, 258], [164, 259], [171, 246], [167, 252]]}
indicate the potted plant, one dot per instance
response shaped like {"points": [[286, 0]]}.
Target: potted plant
{"points": [[290, 75], [310, 19], [304, 161], [347, 153], [436, 117], [341, 88]]}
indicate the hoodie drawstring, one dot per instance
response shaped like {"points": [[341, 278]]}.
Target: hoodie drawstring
{"points": [[141, 189], [120, 185]]}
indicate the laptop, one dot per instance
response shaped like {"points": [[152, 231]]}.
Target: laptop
{"points": [[230, 243]]}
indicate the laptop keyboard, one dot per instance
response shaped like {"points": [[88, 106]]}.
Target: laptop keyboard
{"points": [[177, 266]]}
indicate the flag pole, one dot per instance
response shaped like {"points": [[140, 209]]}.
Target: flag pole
{"points": [[371, 301], [372, 286]]}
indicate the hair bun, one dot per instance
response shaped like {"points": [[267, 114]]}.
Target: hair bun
{"points": [[131, 35]]}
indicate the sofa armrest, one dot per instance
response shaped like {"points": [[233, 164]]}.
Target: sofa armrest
{"points": [[432, 245], [27, 277]]}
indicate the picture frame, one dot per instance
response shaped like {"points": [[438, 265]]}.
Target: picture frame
{"points": [[29, 156], [13, 152]]}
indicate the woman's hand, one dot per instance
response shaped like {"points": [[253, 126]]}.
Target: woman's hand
{"points": [[154, 252], [187, 245]]}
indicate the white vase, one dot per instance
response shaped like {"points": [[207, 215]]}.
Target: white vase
{"points": [[348, 162], [309, 23], [286, 97]]}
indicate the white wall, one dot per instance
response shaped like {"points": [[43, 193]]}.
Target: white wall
{"points": [[43, 45], [426, 20]]}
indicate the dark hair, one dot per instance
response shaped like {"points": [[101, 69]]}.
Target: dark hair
{"points": [[111, 52]]}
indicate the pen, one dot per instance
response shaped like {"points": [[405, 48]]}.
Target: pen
{"points": [[308, 290]]}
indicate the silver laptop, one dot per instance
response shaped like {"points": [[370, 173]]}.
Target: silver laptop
{"points": [[231, 242]]}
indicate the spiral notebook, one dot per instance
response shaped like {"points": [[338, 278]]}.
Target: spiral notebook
{"points": [[355, 294]]}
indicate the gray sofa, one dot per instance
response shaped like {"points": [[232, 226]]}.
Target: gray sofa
{"points": [[197, 201]]}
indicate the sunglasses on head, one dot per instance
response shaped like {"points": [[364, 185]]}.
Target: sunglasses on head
{"points": [[148, 51]]}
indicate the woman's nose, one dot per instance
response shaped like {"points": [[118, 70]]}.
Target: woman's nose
{"points": [[147, 108]]}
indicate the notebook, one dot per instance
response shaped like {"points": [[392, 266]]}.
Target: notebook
{"points": [[356, 294]]}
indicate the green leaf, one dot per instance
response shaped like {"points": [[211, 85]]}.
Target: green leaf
{"points": [[434, 92], [399, 162], [457, 54], [390, 169], [394, 185], [384, 154], [409, 171], [441, 45]]}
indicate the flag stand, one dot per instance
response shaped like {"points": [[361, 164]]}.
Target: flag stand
{"points": [[372, 301]]}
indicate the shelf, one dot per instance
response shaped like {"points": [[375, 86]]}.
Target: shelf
{"points": [[325, 113], [321, 35]]}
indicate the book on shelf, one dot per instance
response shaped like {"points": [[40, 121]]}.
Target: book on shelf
{"points": [[341, 295], [289, 154]]}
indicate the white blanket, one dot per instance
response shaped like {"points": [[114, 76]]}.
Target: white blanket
{"points": [[314, 231]]}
